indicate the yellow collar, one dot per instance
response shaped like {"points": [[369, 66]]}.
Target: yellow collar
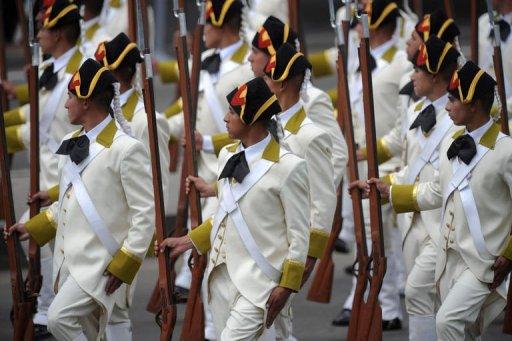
{"points": [[390, 54], [89, 33], [130, 105], [239, 55], [488, 139], [106, 136], [419, 105], [74, 62], [294, 123]]}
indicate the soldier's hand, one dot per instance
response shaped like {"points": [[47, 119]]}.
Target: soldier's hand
{"points": [[360, 155], [9, 88], [310, 266], [113, 283], [360, 185], [205, 189], [275, 303], [43, 197], [177, 245], [382, 187], [502, 267], [16, 228]]}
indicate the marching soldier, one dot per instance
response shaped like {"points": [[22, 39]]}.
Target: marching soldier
{"points": [[58, 36], [256, 261], [101, 237], [474, 192], [428, 123]]}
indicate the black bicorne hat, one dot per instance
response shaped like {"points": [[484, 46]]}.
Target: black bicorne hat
{"points": [[217, 11], [439, 25], [471, 83], [61, 13], [272, 35], [254, 101], [435, 55], [286, 64], [91, 79], [119, 51]]}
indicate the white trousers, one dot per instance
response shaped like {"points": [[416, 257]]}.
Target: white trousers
{"points": [[235, 317], [467, 305]]}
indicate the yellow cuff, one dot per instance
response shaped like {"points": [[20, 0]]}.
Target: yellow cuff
{"points": [[174, 109], [21, 93], [124, 265], [200, 236], [42, 227], [220, 140], [320, 63], [507, 253], [317, 242], [403, 198], [216, 188], [14, 117], [333, 94], [53, 193], [383, 152], [388, 179], [14, 140], [291, 277], [168, 70]]}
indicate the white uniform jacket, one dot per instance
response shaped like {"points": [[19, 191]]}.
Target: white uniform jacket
{"points": [[119, 183], [275, 210]]}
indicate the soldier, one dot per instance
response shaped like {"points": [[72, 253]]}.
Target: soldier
{"points": [[256, 13], [114, 16], [428, 124], [474, 192], [256, 260], [101, 237], [58, 36]]}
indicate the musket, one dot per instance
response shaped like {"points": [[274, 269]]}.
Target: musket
{"points": [[498, 68], [24, 31], [21, 309], [448, 8], [294, 19], [474, 30], [34, 278], [132, 21], [370, 317], [165, 264], [4, 101], [321, 286], [193, 324], [345, 25]]}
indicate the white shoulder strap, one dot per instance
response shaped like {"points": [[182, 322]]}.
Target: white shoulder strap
{"points": [[210, 96]]}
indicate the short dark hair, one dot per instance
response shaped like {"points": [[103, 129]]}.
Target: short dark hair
{"points": [[234, 22], [126, 72], [70, 31], [446, 71], [94, 6], [389, 26], [104, 98]]}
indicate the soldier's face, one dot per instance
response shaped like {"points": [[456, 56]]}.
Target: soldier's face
{"points": [[47, 39], [413, 44], [460, 113], [75, 109], [212, 36], [422, 81], [234, 124], [258, 60]]}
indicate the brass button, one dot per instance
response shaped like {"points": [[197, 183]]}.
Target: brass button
{"points": [[445, 238], [448, 225], [453, 228], [451, 241], [451, 213], [216, 249]]}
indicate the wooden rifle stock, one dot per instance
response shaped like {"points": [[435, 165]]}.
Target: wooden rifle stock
{"points": [[474, 31], [370, 319], [21, 303], [24, 31], [294, 20], [193, 324], [448, 8], [498, 70], [165, 264], [4, 101], [417, 6]]}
